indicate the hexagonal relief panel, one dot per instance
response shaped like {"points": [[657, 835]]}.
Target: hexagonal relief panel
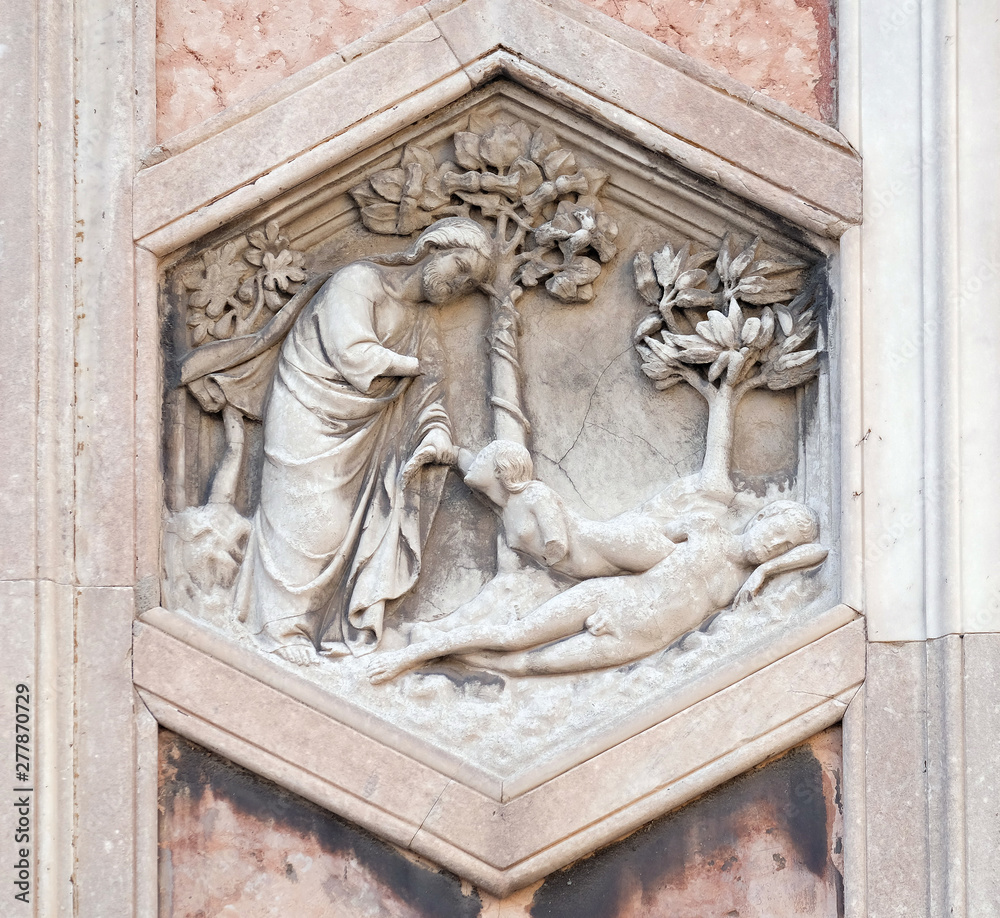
{"points": [[502, 487]]}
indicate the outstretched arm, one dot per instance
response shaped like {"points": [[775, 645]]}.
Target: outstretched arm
{"points": [[799, 558]]}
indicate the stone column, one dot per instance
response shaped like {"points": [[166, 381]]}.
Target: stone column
{"points": [[922, 739]]}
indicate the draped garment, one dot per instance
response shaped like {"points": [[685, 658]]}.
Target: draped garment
{"points": [[335, 535]]}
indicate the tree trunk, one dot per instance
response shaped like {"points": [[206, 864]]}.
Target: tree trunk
{"points": [[509, 421], [226, 476], [719, 441]]}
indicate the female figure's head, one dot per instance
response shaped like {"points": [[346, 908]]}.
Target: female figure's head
{"points": [[500, 469]]}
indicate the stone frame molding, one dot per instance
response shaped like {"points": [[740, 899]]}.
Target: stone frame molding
{"points": [[500, 834]]}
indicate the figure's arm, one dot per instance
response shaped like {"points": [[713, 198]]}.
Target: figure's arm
{"points": [[681, 528], [550, 516], [799, 558], [345, 309]]}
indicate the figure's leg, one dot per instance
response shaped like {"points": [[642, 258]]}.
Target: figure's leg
{"points": [[580, 653], [562, 615]]}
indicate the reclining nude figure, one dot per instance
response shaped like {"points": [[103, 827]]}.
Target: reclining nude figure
{"points": [[611, 620]]}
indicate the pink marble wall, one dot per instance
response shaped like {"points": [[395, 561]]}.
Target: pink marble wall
{"points": [[766, 845], [212, 53]]}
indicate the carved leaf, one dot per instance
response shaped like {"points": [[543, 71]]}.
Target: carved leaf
{"points": [[645, 279], [559, 162], [529, 176], [722, 329], [722, 262], [467, 151], [489, 204], [750, 332], [695, 348], [663, 348], [648, 326], [719, 365], [389, 184], [691, 278], [570, 282], [735, 366], [696, 299], [380, 218], [421, 156], [700, 259], [769, 266], [542, 144], [533, 271], [777, 378], [706, 331], [667, 265], [735, 317], [364, 194], [766, 298], [742, 261], [785, 320], [480, 122], [596, 180], [499, 147]]}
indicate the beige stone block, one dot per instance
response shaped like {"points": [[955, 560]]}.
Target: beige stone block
{"points": [[982, 783], [19, 277], [149, 478], [267, 720], [55, 724], [105, 301], [895, 781], [105, 754]]}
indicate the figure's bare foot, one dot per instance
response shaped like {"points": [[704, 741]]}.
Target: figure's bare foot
{"points": [[389, 664], [299, 654]]}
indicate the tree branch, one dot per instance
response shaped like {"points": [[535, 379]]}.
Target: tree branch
{"points": [[694, 379], [754, 382]]}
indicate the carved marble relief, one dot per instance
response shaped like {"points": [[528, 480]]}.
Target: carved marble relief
{"points": [[470, 457]]}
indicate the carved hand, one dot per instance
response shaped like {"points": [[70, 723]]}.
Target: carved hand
{"points": [[599, 623], [750, 589], [436, 448]]}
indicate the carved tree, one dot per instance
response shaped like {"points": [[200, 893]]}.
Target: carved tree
{"points": [[725, 328], [541, 209], [231, 294]]}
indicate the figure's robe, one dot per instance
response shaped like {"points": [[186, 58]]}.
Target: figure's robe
{"points": [[335, 535]]}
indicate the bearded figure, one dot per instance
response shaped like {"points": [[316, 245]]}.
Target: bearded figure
{"points": [[355, 437]]}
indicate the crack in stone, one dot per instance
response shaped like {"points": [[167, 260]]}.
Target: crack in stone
{"points": [[590, 405]]}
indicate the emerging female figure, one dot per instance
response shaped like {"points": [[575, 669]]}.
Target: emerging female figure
{"points": [[610, 621], [338, 531], [537, 523]]}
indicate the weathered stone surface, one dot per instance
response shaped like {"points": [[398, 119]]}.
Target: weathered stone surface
{"points": [[214, 54], [766, 844]]}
